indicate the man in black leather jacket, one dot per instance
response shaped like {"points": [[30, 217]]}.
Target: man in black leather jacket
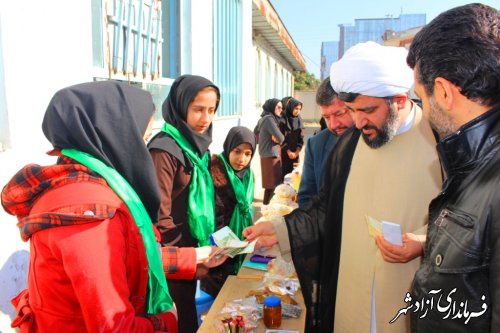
{"points": [[456, 61]]}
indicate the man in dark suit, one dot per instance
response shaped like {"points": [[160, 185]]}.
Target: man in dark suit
{"points": [[320, 145]]}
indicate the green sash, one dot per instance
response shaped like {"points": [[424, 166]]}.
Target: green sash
{"points": [[201, 202], [243, 211], [158, 298]]}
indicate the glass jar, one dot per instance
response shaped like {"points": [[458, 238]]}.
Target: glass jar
{"points": [[272, 312]]}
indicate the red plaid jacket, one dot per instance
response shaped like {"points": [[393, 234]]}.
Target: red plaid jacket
{"points": [[63, 263], [28, 185]]}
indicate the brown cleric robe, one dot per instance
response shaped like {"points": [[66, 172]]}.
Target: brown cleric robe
{"points": [[401, 179], [336, 260]]}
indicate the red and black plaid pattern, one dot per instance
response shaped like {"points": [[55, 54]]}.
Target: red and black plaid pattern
{"points": [[29, 184], [170, 259], [163, 322]]}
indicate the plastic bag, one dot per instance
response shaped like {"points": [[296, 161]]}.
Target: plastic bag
{"points": [[238, 316]]}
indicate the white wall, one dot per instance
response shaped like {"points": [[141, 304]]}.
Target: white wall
{"points": [[310, 110], [249, 117], [202, 38], [261, 52], [46, 45]]}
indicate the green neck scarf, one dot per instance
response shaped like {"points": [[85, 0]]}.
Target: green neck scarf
{"points": [[158, 298], [243, 211], [201, 202]]}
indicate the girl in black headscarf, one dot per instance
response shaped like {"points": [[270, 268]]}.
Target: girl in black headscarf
{"points": [[294, 136], [283, 119], [181, 159], [270, 139], [234, 191], [96, 265]]}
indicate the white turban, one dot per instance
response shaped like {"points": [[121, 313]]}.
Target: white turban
{"points": [[373, 70]]}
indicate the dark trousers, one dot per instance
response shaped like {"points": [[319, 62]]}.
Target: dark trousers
{"points": [[183, 293], [268, 194]]}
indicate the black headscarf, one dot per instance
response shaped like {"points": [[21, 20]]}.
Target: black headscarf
{"points": [[283, 120], [268, 108], [235, 137], [174, 111], [107, 120], [293, 122], [284, 101]]}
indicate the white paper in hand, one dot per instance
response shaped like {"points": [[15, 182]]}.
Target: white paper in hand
{"points": [[392, 233]]}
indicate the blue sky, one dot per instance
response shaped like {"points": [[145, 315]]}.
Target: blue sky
{"points": [[311, 22]]}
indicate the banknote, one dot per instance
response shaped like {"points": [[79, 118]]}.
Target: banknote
{"points": [[229, 244]]}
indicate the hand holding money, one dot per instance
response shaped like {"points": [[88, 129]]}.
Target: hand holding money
{"points": [[207, 256], [229, 244]]}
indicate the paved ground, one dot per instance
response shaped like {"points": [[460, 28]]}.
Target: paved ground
{"points": [[310, 128]]}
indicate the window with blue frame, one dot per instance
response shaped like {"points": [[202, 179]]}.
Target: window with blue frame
{"points": [[171, 38], [227, 57], [136, 41]]}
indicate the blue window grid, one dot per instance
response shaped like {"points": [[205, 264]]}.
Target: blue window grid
{"points": [[227, 57], [132, 37]]}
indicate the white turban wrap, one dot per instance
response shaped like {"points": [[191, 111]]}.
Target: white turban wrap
{"points": [[371, 69]]}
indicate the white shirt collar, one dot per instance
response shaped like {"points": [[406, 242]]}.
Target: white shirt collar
{"points": [[408, 123]]}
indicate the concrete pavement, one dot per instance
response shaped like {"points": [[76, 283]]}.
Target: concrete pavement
{"points": [[310, 128]]}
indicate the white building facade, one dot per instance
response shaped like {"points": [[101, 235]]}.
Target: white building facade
{"points": [[241, 45]]}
